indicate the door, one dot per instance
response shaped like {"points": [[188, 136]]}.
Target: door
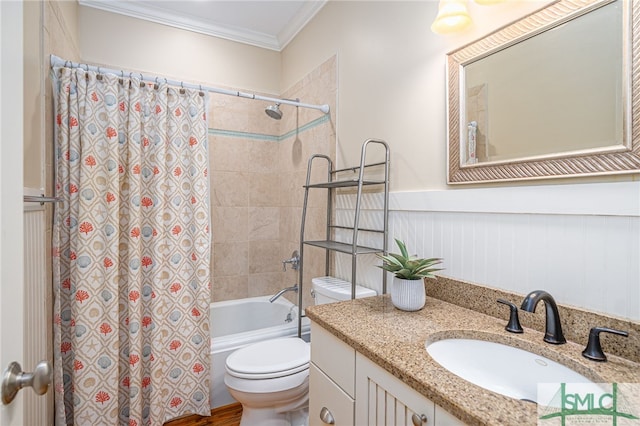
{"points": [[11, 164]]}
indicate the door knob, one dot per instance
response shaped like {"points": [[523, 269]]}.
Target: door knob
{"points": [[14, 379]]}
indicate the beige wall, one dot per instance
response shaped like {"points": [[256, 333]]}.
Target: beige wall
{"points": [[174, 53], [60, 38], [33, 97], [49, 28], [391, 74]]}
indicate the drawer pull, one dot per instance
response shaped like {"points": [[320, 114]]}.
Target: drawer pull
{"points": [[326, 416], [419, 420]]}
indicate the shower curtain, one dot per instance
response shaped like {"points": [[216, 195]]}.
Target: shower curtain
{"points": [[131, 251]]}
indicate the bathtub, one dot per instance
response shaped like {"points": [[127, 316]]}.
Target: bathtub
{"points": [[238, 323]]}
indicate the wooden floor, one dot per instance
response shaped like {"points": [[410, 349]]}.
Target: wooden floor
{"points": [[229, 415]]}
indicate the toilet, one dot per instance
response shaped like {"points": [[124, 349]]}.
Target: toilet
{"points": [[271, 378], [331, 289]]}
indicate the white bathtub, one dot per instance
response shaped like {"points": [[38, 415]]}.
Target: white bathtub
{"points": [[238, 323]]}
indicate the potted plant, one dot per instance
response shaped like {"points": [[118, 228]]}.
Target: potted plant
{"points": [[407, 292]]}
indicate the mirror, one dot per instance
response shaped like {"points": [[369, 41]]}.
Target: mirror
{"points": [[547, 96]]}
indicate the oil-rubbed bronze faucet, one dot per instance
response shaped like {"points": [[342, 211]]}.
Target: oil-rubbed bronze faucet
{"points": [[594, 350], [514, 323], [553, 333]]}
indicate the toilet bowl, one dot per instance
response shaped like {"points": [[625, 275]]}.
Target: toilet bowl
{"points": [[271, 378], [271, 381]]}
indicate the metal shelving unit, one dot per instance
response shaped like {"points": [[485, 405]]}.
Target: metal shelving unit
{"points": [[331, 184]]}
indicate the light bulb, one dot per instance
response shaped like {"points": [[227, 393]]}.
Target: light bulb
{"points": [[452, 16]]}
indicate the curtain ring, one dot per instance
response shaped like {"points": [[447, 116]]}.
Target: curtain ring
{"points": [[87, 65], [122, 74], [182, 85], [141, 77]]}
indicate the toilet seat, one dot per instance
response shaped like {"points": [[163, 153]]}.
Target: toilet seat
{"points": [[270, 359]]}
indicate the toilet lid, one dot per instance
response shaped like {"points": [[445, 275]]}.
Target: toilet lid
{"points": [[271, 358]]}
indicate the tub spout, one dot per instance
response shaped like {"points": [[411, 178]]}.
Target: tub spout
{"points": [[283, 291]]}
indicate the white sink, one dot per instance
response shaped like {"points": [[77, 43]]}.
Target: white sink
{"points": [[500, 368]]}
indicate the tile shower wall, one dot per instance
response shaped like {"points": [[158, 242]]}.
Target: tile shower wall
{"points": [[589, 261], [258, 167]]}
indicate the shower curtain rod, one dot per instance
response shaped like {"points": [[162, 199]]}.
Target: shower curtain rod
{"points": [[59, 62]]}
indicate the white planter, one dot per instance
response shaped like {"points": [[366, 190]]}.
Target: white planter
{"points": [[408, 295]]}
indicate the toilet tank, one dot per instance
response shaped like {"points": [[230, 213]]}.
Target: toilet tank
{"points": [[331, 289]]}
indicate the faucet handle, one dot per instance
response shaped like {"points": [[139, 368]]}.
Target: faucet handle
{"points": [[594, 350], [514, 323], [294, 261]]}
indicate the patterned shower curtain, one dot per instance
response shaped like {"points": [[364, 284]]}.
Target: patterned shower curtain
{"points": [[131, 251]]}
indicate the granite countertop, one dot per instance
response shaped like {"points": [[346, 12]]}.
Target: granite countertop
{"points": [[395, 340]]}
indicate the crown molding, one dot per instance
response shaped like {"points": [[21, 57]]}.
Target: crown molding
{"points": [[241, 35], [298, 22]]}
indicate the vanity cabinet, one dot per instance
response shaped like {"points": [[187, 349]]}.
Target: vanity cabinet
{"points": [[349, 388], [331, 379], [383, 399]]}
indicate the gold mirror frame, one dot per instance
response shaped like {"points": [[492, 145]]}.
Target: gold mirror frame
{"points": [[587, 163]]}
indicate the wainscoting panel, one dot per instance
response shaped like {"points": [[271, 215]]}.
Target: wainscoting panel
{"points": [[591, 261], [35, 311]]}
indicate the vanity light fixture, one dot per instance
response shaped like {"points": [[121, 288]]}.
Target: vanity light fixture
{"points": [[452, 16]]}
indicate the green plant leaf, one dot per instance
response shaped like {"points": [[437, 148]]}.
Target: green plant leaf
{"points": [[431, 261], [392, 260], [398, 258], [408, 267], [403, 248], [390, 268]]}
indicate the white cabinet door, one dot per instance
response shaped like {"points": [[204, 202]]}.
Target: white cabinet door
{"points": [[327, 401], [334, 357], [382, 399]]}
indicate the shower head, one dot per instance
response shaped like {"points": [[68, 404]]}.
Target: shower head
{"points": [[273, 111]]}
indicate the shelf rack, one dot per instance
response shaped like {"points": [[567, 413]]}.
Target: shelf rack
{"points": [[331, 184]]}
